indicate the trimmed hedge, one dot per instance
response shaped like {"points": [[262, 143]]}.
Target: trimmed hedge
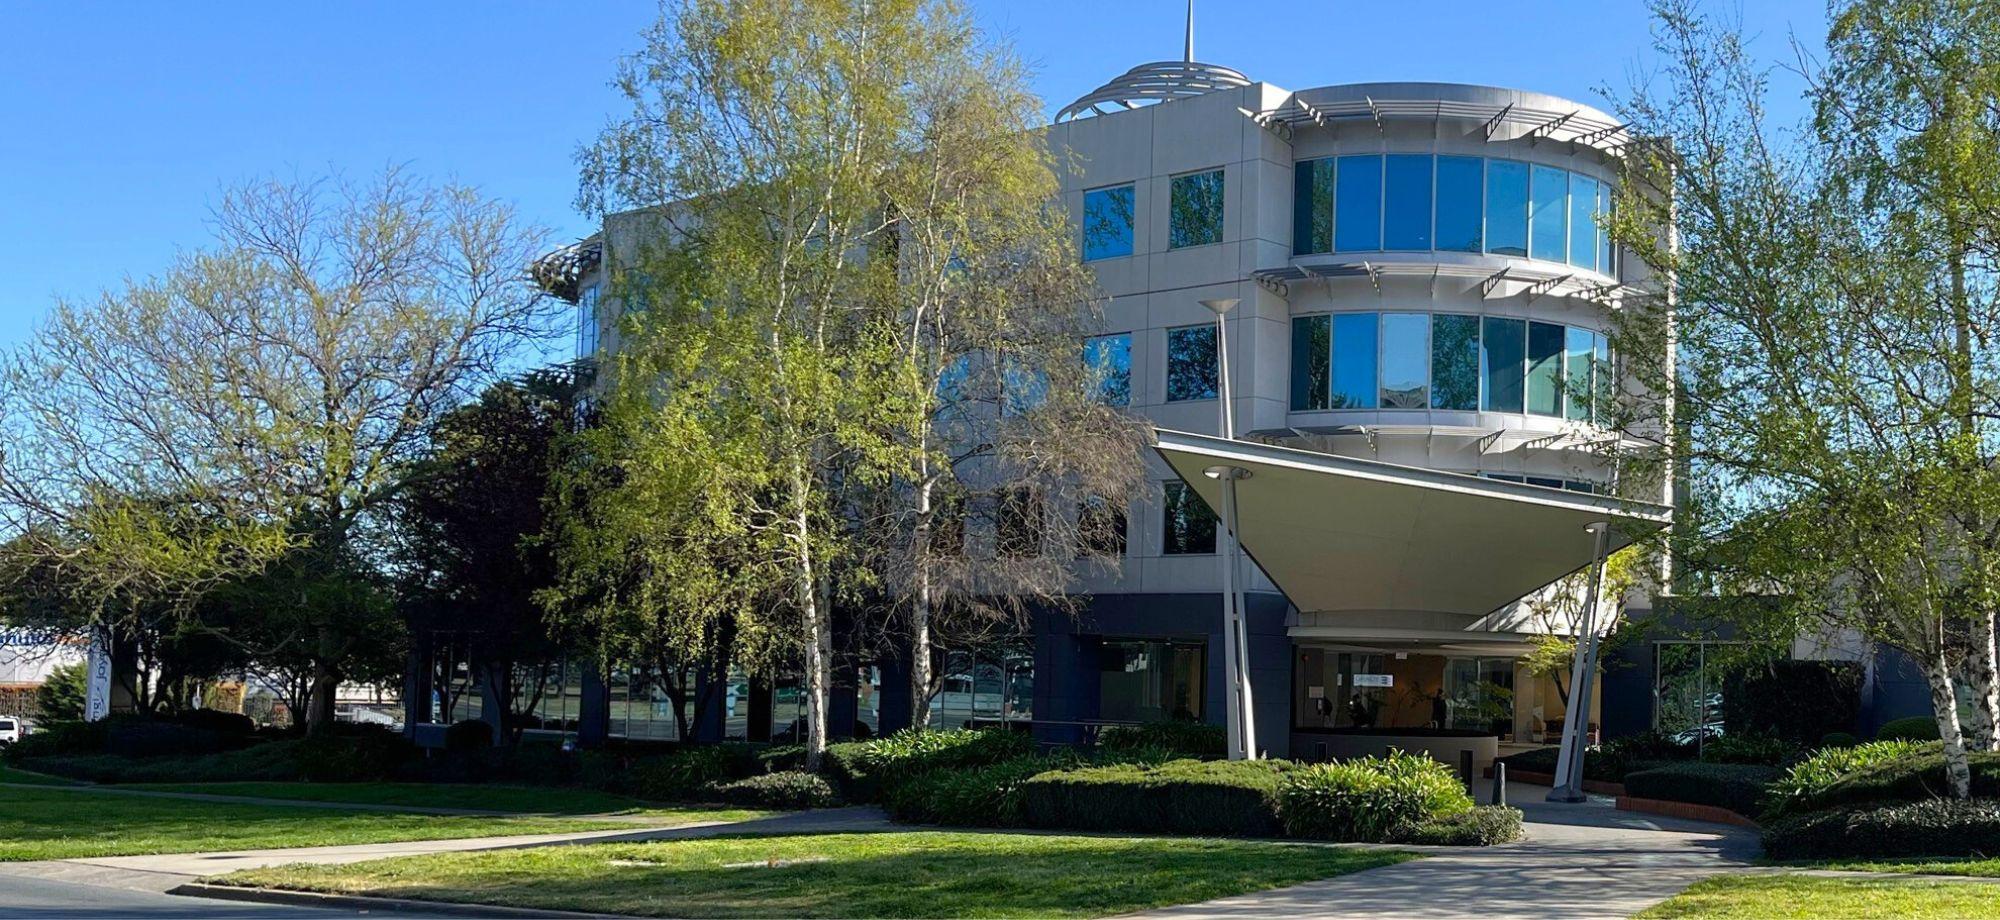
{"points": [[1368, 799], [689, 772], [1757, 749], [1478, 827], [789, 789], [1608, 762], [988, 796], [1807, 781], [1796, 701], [1912, 728], [468, 735], [1937, 827], [1738, 787], [1180, 739], [864, 771], [316, 759], [1908, 777], [1223, 798]]}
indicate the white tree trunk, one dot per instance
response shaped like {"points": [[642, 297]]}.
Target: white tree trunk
{"points": [[819, 632], [1983, 732], [1944, 703], [920, 612]]}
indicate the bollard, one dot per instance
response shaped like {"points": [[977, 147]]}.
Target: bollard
{"points": [[1465, 769], [1499, 783]]}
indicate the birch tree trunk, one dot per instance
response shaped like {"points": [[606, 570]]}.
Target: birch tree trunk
{"points": [[920, 607], [1944, 703], [819, 640], [1983, 732]]}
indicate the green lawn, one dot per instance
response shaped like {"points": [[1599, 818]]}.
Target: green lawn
{"points": [[524, 799], [1809, 896], [1940, 865], [57, 823], [915, 874], [10, 775]]}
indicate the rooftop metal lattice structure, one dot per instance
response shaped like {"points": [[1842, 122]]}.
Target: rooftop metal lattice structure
{"points": [[561, 272], [1160, 81], [1575, 126]]}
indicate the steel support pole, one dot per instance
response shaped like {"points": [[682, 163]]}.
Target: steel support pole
{"points": [[1236, 671], [1583, 669]]}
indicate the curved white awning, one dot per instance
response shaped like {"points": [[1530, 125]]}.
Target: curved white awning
{"points": [[1339, 534]]}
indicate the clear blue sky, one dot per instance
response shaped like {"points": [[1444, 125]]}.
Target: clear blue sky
{"points": [[121, 120]]}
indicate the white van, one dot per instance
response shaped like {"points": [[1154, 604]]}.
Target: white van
{"points": [[10, 729]]}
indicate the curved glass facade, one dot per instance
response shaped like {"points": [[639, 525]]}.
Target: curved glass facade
{"points": [[1413, 360], [1419, 202]]}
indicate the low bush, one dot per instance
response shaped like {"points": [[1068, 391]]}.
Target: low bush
{"points": [[224, 724], [468, 735], [1807, 781], [988, 796], [1793, 700], [788, 789], [1738, 787], [1368, 799], [690, 772], [1914, 775], [1760, 750], [320, 759], [1226, 798], [1179, 738], [864, 770], [1483, 826], [1838, 740], [1913, 728], [57, 739], [1936, 827]]}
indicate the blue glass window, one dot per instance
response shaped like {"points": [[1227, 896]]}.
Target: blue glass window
{"points": [[1579, 347], [1107, 222], [1455, 362], [1506, 208], [1605, 263], [1195, 210], [1354, 359], [1312, 206], [1549, 230], [1603, 383], [1582, 221], [1406, 360], [1191, 368], [1503, 350], [1545, 368], [1312, 341], [1109, 358], [586, 322], [1357, 222], [1406, 212], [1190, 525], [1460, 187]]}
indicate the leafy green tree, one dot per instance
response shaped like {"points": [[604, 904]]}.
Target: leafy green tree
{"points": [[61, 696], [276, 386], [1833, 304]]}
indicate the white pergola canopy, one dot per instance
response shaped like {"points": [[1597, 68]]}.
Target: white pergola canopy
{"points": [[1338, 534]]}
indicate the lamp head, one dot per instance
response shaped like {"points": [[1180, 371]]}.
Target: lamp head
{"points": [[1221, 305]]}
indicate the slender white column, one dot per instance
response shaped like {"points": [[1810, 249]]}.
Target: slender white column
{"points": [[1582, 673]]}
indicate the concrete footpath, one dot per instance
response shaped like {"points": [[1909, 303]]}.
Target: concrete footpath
{"points": [[1587, 860]]}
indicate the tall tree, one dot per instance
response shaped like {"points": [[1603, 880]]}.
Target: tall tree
{"points": [[276, 384], [1833, 296]]}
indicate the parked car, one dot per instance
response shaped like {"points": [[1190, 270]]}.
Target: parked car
{"points": [[10, 729]]}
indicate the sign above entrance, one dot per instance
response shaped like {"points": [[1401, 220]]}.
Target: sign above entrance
{"points": [[1374, 680]]}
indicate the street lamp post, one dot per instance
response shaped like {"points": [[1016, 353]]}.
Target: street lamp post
{"points": [[1235, 645]]}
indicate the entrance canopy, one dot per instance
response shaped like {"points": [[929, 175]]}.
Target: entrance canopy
{"points": [[1338, 534]]}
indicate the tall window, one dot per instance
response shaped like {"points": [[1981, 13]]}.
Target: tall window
{"points": [[1191, 366], [1100, 528], [1190, 525], [1503, 350], [1406, 357], [1545, 368], [1195, 210], [586, 322], [1549, 231], [1406, 210], [1582, 221], [1150, 681], [1109, 358], [1506, 208], [1579, 350], [1454, 362], [1107, 222], [1312, 348], [1357, 221], [1017, 525], [1312, 206], [1460, 186], [1604, 254], [1354, 361]]}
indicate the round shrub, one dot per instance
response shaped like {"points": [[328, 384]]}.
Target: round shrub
{"points": [[1936, 827], [1808, 780], [865, 770], [1914, 728], [1838, 740], [1368, 799], [685, 774], [468, 735], [1180, 738], [1912, 772], [791, 789], [1741, 788], [1484, 826]]}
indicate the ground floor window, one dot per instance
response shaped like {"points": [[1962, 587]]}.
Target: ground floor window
{"points": [[1146, 680], [1479, 694], [993, 684], [1356, 689], [1687, 687]]}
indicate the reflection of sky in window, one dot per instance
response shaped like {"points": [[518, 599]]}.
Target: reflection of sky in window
{"points": [[1357, 222], [1406, 360], [1107, 222], [1354, 361], [1109, 358]]}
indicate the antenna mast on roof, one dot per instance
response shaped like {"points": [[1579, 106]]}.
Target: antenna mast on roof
{"points": [[1188, 56]]}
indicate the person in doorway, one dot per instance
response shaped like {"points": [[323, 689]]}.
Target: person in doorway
{"points": [[1358, 712]]}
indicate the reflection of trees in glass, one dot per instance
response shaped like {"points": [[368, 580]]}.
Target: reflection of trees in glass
{"points": [[1110, 360], [1191, 369], [1190, 525], [1107, 222], [1686, 692], [1195, 210], [1312, 343], [1454, 362], [1018, 526], [1100, 527], [1312, 206]]}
